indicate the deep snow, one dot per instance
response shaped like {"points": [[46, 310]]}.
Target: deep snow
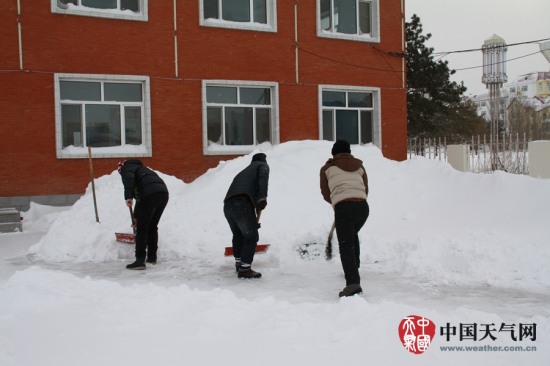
{"points": [[454, 247]]}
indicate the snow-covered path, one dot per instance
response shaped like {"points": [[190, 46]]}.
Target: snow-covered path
{"points": [[459, 249]]}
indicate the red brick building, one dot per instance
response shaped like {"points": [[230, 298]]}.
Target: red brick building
{"points": [[182, 85]]}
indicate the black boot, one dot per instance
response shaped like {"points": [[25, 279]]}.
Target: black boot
{"points": [[248, 273], [138, 264]]}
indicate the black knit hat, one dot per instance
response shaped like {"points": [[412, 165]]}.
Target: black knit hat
{"points": [[258, 157], [341, 146]]}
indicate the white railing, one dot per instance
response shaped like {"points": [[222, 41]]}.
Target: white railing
{"points": [[507, 153]]}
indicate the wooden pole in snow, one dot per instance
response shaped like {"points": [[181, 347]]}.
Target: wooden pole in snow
{"points": [[92, 180]]}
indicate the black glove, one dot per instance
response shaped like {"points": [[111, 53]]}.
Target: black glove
{"points": [[262, 202]]}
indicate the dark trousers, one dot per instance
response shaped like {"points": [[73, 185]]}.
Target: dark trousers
{"points": [[241, 217], [349, 217], [147, 214]]}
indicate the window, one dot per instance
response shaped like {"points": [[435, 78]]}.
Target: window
{"points": [[119, 9], [351, 114], [348, 19], [259, 15], [109, 114], [238, 116]]}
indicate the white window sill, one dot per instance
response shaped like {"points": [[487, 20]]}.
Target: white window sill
{"points": [[215, 149], [349, 37], [72, 152], [238, 25]]}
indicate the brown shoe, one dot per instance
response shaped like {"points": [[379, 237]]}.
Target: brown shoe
{"points": [[351, 290]]}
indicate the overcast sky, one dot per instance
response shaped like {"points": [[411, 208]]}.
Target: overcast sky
{"points": [[466, 24]]}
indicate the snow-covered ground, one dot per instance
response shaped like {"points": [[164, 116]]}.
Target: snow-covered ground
{"points": [[457, 248]]}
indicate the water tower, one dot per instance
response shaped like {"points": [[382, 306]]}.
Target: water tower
{"points": [[494, 75]]}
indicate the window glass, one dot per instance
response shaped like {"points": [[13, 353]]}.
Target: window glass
{"points": [[350, 115], [214, 124], [238, 117], [326, 15], [365, 17], [360, 100], [366, 127], [327, 126], [221, 94], [210, 9], [348, 19], [123, 92], [133, 125], [71, 125], [345, 16], [100, 4], [255, 96], [118, 9], [334, 98], [80, 90], [236, 10], [132, 5], [240, 14], [260, 11], [347, 123], [102, 111], [239, 126], [102, 125], [263, 125]]}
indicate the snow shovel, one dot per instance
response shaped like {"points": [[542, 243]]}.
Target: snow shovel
{"points": [[260, 248], [328, 249], [128, 238]]}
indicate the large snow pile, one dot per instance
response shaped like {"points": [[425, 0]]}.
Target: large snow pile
{"points": [[427, 220]]}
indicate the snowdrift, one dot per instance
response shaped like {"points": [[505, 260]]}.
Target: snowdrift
{"points": [[427, 220]]}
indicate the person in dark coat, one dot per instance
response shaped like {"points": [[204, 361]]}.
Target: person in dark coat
{"points": [[246, 198], [344, 184], [151, 195]]}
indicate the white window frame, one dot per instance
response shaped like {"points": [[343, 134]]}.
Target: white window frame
{"points": [[70, 9], [376, 111], [239, 149], [143, 150], [270, 26], [374, 36]]}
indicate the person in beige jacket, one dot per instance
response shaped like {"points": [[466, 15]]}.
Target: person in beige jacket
{"points": [[344, 184]]}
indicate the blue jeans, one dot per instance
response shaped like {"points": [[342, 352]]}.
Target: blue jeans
{"points": [[241, 217]]}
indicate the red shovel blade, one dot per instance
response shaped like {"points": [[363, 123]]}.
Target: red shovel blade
{"points": [[125, 238], [260, 248]]}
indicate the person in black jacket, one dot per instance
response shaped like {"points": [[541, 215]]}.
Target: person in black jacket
{"points": [[151, 195], [247, 195]]}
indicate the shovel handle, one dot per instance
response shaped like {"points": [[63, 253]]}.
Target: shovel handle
{"points": [[133, 220]]}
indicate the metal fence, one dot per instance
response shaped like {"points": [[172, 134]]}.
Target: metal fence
{"points": [[507, 153]]}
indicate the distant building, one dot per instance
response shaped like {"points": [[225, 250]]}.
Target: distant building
{"points": [[529, 92]]}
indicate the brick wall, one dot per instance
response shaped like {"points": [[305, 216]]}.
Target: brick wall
{"points": [[55, 43]]}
